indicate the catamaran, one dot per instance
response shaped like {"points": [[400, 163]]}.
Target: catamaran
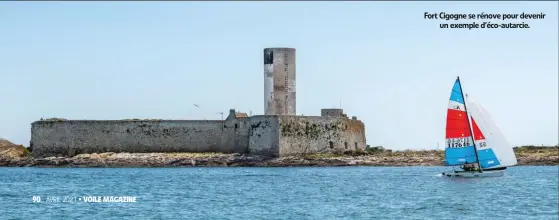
{"points": [[473, 140]]}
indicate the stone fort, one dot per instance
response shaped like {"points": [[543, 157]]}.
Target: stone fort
{"points": [[279, 132]]}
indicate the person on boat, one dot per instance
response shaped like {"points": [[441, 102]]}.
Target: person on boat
{"points": [[469, 167]]}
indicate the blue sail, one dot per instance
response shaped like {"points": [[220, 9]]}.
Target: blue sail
{"points": [[459, 142]]}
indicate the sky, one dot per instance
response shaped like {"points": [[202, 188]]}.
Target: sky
{"points": [[382, 61]]}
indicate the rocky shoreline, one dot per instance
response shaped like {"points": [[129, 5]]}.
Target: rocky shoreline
{"points": [[240, 160], [12, 155]]}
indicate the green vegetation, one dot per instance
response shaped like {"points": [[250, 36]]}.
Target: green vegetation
{"points": [[376, 149], [522, 151], [538, 151], [321, 156], [11, 150], [194, 155], [54, 119], [369, 151], [136, 119], [305, 129]]}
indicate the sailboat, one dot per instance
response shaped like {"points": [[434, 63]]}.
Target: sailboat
{"points": [[474, 141]]}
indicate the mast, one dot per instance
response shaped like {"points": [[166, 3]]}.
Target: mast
{"points": [[469, 124]]}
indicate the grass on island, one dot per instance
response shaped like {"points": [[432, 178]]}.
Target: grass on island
{"points": [[137, 119], [536, 151], [53, 119], [522, 151], [194, 154], [176, 155], [11, 150], [383, 153]]}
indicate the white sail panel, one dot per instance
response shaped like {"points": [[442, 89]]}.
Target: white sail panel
{"points": [[493, 148]]}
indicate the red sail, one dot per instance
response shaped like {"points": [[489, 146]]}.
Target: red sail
{"points": [[457, 124], [478, 135]]}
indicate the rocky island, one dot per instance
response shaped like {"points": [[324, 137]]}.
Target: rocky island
{"points": [[12, 155]]}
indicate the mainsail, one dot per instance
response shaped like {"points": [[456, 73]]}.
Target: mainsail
{"points": [[459, 143], [493, 149]]}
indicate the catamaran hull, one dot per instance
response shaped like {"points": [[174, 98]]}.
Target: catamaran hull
{"points": [[468, 174]]}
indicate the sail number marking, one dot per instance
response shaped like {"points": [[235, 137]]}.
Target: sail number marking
{"points": [[482, 144], [459, 142]]}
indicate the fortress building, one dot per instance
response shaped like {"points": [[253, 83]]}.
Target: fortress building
{"points": [[280, 132]]}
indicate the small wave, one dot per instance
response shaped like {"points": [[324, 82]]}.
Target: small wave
{"points": [[259, 175], [8, 195]]}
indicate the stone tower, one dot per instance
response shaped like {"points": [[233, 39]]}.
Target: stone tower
{"points": [[279, 81]]}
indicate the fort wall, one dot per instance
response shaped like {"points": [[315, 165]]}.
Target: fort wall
{"points": [[79, 136], [313, 134], [270, 135]]}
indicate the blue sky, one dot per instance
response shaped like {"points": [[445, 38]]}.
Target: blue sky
{"points": [[384, 62]]}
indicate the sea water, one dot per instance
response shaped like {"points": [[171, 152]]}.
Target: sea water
{"points": [[525, 192]]}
